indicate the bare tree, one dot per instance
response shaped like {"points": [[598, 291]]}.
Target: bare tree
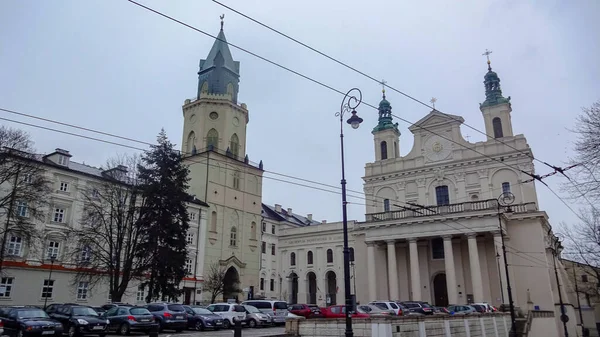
{"points": [[215, 281], [110, 237], [23, 192], [586, 175]]}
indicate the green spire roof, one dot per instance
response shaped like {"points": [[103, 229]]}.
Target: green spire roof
{"points": [[493, 93], [385, 116]]}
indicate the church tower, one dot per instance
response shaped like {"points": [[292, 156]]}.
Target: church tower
{"points": [[386, 134], [221, 173], [496, 109]]}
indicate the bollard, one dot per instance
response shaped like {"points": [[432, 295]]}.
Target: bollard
{"points": [[237, 329], [153, 331]]}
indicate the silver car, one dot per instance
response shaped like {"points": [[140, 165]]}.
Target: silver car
{"points": [[255, 318]]}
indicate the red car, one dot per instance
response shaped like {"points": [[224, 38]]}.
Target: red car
{"points": [[301, 310], [339, 311]]}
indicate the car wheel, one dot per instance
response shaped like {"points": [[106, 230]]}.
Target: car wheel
{"points": [[72, 331], [199, 326], [226, 324], [252, 323], [124, 329]]}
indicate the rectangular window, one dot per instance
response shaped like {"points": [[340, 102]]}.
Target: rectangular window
{"points": [[273, 229], [584, 278], [95, 193], [140, 296], [64, 187], [190, 238], [386, 205], [262, 283], [53, 249], [27, 179], [273, 249], [82, 290], [263, 247], [15, 244], [59, 215], [437, 248], [442, 196], [188, 266], [236, 180], [505, 187], [47, 288], [62, 160], [22, 209], [272, 285], [6, 284], [86, 254], [192, 216], [264, 227]]}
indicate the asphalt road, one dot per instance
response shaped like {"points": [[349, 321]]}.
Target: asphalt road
{"points": [[259, 332]]}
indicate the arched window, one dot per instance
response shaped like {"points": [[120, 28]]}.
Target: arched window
{"points": [[204, 87], [236, 180], [253, 231], [234, 145], [497, 124], [292, 259], [233, 237], [442, 196], [386, 205], [213, 221], [351, 257], [309, 257], [329, 256], [190, 143], [384, 150], [212, 139], [230, 88], [396, 153], [505, 187]]}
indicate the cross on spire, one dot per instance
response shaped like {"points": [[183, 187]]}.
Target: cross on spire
{"points": [[222, 17], [432, 101], [487, 55], [383, 82]]}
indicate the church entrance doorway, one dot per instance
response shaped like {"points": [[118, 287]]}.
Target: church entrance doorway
{"points": [[331, 280], [440, 290], [294, 288], [312, 288], [231, 284]]}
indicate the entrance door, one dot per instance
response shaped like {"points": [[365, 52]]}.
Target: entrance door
{"points": [[440, 290], [187, 295]]}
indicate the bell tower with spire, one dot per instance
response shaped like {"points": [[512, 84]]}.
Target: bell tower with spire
{"points": [[386, 134], [496, 108]]}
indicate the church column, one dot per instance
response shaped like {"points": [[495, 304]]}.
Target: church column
{"points": [[415, 275], [502, 269], [450, 270], [371, 271], [392, 271], [476, 281]]}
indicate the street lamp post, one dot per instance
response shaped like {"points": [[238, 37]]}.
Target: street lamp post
{"points": [[349, 103], [563, 314], [505, 200], [52, 259]]}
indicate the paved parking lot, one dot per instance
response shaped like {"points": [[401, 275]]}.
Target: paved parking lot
{"points": [[260, 332]]}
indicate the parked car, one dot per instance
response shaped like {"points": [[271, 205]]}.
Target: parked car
{"points": [[23, 321], [200, 318], [461, 310], [418, 307], [256, 318], [126, 319], [277, 310], [440, 311], [485, 306], [301, 310], [316, 311], [388, 305], [372, 309], [339, 311], [479, 308], [230, 312], [80, 320], [170, 316]]}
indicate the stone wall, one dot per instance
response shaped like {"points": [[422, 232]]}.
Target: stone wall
{"points": [[487, 325]]}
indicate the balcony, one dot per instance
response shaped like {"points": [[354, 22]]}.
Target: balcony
{"points": [[471, 206]]}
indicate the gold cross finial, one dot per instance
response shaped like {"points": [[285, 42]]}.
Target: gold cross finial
{"points": [[383, 82], [432, 101], [487, 55], [222, 17]]}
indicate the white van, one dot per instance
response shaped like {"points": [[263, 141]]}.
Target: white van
{"points": [[276, 310], [230, 313]]}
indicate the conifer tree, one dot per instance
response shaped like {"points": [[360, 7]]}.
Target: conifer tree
{"points": [[164, 181]]}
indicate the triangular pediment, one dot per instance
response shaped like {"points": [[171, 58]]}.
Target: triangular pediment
{"points": [[435, 119], [233, 260]]}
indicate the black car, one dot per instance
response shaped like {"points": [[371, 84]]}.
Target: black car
{"points": [[418, 307], [24, 321], [126, 319], [81, 320], [200, 318]]}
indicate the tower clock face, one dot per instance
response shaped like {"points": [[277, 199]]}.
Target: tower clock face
{"points": [[437, 148], [236, 121], [213, 115], [193, 118]]}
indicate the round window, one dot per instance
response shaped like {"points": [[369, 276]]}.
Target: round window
{"points": [[213, 115]]}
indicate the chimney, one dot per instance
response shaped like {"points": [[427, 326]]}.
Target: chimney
{"points": [[309, 216], [277, 208], [289, 211], [324, 222]]}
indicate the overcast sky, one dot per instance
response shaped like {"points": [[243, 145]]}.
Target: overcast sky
{"points": [[113, 66]]}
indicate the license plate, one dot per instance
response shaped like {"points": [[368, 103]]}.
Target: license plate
{"points": [[145, 320], [98, 327], [178, 317], [48, 332], [219, 323]]}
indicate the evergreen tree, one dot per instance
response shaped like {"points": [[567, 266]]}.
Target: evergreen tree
{"points": [[164, 181]]}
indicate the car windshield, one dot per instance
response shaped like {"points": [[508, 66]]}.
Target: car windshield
{"points": [[175, 307], [84, 311], [280, 305], [251, 309], [139, 311], [34, 313], [202, 311], [425, 305]]}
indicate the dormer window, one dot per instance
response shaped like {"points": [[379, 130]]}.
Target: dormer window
{"points": [[63, 160], [64, 187]]}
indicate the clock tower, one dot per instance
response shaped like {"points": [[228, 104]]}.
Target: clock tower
{"points": [[222, 174], [386, 135]]}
